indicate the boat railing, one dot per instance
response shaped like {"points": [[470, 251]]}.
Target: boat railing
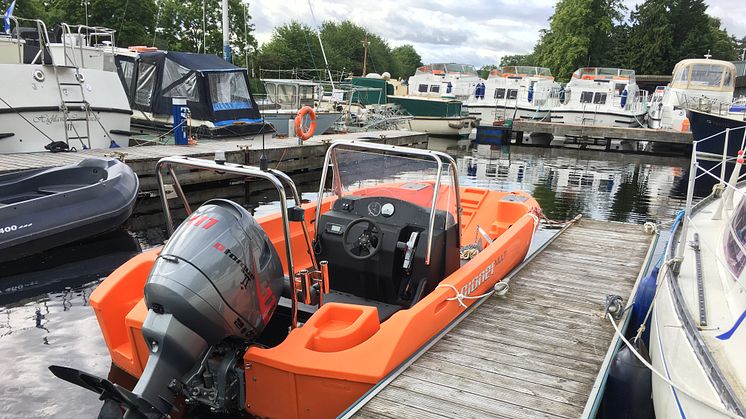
{"points": [[725, 188], [708, 105], [42, 37], [85, 37]]}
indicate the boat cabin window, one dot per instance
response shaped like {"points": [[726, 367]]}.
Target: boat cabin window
{"points": [[282, 95], [706, 75], [499, 93], [586, 97], [145, 84], [179, 81], [229, 91], [599, 98], [735, 240], [306, 95], [512, 93], [435, 88], [128, 71], [619, 88], [422, 88]]}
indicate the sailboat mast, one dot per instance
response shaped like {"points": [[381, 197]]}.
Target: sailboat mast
{"points": [[365, 55], [226, 33], [323, 53]]}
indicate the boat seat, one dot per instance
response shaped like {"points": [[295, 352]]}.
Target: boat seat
{"points": [[384, 310], [53, 189]]}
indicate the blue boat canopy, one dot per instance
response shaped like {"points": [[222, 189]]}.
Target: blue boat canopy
{"points": [[215, 89]]}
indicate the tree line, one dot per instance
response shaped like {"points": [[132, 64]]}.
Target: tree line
{"points": [[296, 46], [650, 39], [195, 26]]}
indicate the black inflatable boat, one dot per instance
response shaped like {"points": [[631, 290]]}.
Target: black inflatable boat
{"points": [[44, 208]]}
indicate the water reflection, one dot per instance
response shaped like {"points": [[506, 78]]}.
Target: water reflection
{"points": [[602, 186], [45, 319]]}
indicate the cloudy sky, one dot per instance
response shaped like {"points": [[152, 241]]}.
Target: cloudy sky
{"points": [[469, 31]]}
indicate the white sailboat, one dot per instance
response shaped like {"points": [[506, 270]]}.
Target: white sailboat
{"points": [[698, 333]]}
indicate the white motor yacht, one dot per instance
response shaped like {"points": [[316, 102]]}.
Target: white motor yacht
{"points": [[606, 97], [514, 92], [50, 100]]}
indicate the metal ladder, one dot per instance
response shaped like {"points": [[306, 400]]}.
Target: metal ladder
{"points": [[66, 104]]}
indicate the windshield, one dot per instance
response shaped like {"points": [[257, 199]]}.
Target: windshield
{"points": [[371, 173]]}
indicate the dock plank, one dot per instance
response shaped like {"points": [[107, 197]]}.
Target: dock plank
{"points": [[535, 352]]}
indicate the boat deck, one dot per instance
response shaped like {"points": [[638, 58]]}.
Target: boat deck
{"points": [[535, 352]]}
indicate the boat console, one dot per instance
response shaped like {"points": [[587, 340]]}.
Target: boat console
{"points": [[376, 248]]}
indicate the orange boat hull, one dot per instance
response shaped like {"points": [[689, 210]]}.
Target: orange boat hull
{"points": [[342, 350]]}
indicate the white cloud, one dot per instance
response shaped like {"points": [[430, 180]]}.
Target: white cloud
{"points": [[470, 31]]}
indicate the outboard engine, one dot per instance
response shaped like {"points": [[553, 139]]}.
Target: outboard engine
{"points": [[210, 293]]}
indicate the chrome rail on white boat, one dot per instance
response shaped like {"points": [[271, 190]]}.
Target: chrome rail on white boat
{"points": [[694, 167]]}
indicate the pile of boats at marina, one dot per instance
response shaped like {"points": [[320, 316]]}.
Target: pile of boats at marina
{"points": [[77, 90]]}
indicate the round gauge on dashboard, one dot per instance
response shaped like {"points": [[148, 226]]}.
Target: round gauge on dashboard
{"points": [[387, 210], [374, 209]]}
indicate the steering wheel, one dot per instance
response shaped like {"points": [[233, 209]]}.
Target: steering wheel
{"points": [[365, 242]]}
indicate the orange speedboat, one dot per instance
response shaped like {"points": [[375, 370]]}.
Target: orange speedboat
{"points": [[218, 318]]}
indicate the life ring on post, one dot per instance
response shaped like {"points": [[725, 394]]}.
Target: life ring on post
{"points": [[304, 135]]}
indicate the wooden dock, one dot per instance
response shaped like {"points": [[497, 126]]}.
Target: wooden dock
{"points": [[302, 162], [535, 352], [589, 133]]}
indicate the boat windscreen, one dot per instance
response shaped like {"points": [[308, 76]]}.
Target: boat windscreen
{"points": [[707, 75], [228, 91], [365, 173]]}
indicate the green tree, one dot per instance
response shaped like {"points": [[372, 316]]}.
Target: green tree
{"points": [[518, 59], [132, 19], [296, 46], [181, 23], [664, 32], [406, 61], [578, 35], [292, 46]]}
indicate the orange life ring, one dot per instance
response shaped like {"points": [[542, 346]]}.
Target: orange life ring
{"points": [[304, 135]]}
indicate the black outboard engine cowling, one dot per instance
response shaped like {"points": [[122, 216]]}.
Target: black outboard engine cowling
{"points": [[217, 280]]}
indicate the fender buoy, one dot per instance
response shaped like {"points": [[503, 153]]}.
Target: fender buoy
{"points": [[304, 135]]}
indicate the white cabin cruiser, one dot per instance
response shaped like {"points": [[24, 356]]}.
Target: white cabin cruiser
{"points": [[50, 100], [694, 80], [606, 97], [285, 97], [514, 92], [446, 80], [698, 333]]}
